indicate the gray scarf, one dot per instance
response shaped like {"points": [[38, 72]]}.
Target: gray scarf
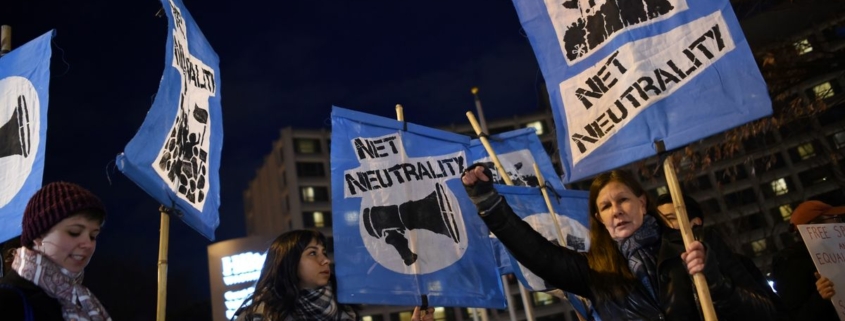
{"points": [[319, 304], [641, 251]]}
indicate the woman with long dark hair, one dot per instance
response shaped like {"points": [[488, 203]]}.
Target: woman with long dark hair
{"points": [[637, 268], [296, 284]]}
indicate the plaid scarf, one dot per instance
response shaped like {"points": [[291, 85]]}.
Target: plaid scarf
{"points": [[78, 303], [319, 304], [641, 251]]}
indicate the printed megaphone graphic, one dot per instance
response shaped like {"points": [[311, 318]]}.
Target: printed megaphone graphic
{"points": [[519, 178], [15, 133], [432, 213]]}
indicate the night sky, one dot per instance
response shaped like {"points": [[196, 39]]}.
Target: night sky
{"points": [[283, 63]]}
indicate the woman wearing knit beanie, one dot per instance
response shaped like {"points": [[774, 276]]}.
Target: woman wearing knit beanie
{"points": [[60, 228]]}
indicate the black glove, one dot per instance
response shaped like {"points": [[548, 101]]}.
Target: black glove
{"points": [[482, 193]]}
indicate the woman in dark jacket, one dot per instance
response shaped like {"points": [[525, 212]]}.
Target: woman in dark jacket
{"points": [[636, 267], [61, 223]]}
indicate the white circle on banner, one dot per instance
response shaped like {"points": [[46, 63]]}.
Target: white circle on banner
{"points": [[20, 124], [420, 235]]}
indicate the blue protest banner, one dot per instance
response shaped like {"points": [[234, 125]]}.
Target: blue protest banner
{"points": [[403, 224], [571, 208], [623, 75], [24, 96], [175, 156], [518, 151]]}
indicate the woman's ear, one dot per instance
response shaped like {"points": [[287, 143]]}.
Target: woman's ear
{"points": [[643, 200]]}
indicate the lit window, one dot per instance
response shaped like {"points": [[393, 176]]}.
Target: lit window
{"points": [[308, 194], [758, 246], [786, 211], [367, 318], [686, 162], [311, 194], [541, 299], [318, 219], [779, 186], [404, 316], [803, 47], [307, 146], [473, 312], [662, 190], [537, 125], [440, 313], [839, 139], [823, 90], [806, 151]]}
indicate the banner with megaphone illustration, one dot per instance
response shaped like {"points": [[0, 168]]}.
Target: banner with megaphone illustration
{"points": [[24, 96], [571, 209], [403, 224]]}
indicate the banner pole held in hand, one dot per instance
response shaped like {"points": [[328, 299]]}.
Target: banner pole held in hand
{"points": [[686, 232], [526, 301], [483, 137]]}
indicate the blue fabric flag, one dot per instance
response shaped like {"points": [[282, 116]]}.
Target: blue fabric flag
{"points": [[175, 156], [623, 75], [571, 209], [518, 151], [24, 96], [403, 224]]}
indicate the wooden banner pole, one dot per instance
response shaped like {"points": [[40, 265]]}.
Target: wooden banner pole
{"points": [[686, 233], [163, 243], [526, 297]]}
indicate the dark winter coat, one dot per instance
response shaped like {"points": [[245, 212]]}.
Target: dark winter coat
{"points": [[793, 272], [44, 308], [735, 295]]}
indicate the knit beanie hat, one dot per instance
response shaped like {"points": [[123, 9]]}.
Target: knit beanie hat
{"points": [[53, 203]]}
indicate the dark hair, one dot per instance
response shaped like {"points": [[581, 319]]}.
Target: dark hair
{"points": [[610, 275], [278, 285], [693, 208]]}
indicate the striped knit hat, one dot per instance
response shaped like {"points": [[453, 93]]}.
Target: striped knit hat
{"points": [[53, 203]]}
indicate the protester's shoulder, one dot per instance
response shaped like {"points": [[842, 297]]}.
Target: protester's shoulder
{"points": [[256, 314], [11, 299]]}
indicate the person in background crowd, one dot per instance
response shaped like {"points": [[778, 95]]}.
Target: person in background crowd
{"points": [[666, 208], [631, 271], [61, 223], [805, 293], [696, 218], [296, 284]]}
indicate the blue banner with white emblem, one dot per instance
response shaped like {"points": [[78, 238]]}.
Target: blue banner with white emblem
{"points": [[24, 95], [518, 151], [571, 210], [175, 156], [623, 75], [403, 224]]}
